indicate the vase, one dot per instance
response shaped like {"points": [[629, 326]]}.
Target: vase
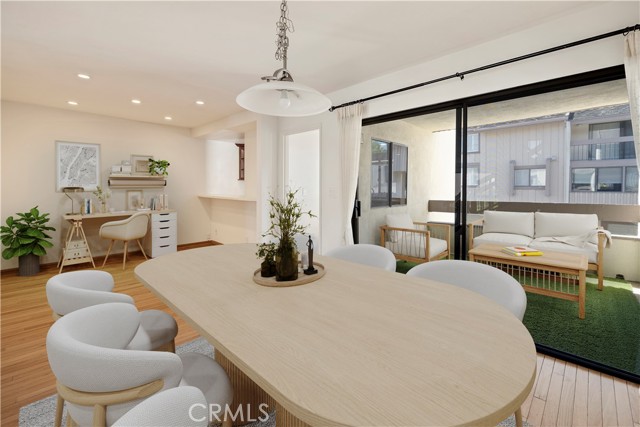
{"points": [[286, 262], [268, 269], [103, 207]]}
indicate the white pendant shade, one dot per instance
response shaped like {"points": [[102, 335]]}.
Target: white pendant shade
{"points": [[284, 99]]}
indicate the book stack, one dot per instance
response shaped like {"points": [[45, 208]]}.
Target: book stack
{"points": [[521, 251]]}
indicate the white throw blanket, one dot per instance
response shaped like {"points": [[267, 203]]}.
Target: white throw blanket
{"points": [[580, 241]]}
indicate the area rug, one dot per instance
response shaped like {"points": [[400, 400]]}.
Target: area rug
{"points": [[41, 413]]}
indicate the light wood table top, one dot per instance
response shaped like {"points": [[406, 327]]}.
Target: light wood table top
{"points": [[361, 346]]}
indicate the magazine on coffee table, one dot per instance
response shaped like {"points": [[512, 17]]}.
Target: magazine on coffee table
{"points": [[521, 251]]}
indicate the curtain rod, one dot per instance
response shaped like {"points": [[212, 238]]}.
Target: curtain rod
{"points": [[461, 74]]}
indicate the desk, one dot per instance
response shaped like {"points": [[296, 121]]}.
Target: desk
{"points": [[76, 249], [360, 346]]}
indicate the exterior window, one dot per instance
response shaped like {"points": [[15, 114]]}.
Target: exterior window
{"points": [[530, 177], [610, 130], [473, 175], [583, 179], [473, 143], [611, 179], [389, 166], [631, 179]]}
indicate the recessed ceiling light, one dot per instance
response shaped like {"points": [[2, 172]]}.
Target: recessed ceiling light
{"points": [[200, 102], [136, 101], [84, 76], [168, 118], [72, 103]]}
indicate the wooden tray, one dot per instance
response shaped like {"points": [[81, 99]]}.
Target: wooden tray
{"points": [[302, 279]]}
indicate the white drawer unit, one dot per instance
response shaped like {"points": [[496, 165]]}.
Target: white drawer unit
{"points": [[163, 234]]}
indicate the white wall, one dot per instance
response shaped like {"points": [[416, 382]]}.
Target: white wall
{"points": [[28, 166]]}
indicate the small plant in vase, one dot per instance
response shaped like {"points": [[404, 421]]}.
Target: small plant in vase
{"points": [[159, 167], [102, 196], [285, 219], [267, 251]]}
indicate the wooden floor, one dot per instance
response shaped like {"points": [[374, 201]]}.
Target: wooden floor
{"points": [[564, 394]]}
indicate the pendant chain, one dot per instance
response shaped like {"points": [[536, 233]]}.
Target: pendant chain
{"points": [[283, 25]]}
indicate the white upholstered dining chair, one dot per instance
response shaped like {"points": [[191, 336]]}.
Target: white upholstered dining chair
{"points": [[489, 281], [68, 292], [483, 279], [180, 406], [366, 254], [132, 228], [100, 380]]}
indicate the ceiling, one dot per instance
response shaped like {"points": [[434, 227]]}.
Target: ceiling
{"points": [[168, 54]]}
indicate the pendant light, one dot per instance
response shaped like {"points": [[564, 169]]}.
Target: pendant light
{"points": [[280, 95]]}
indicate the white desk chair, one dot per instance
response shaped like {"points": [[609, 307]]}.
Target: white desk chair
{"points": [[134, 227], [489, 281], [169, 408], [373, 255], [68, 292], [101, 380]]}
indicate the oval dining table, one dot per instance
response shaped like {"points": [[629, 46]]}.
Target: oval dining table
{"points": [[359, 347]]}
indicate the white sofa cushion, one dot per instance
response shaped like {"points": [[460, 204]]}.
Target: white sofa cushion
{"points": [[589, 249], [402, 220], [508, 222], [563, 224], [502, 239]]}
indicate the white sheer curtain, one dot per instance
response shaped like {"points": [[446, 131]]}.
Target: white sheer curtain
{"points": [[350, 119], [632, 70]]}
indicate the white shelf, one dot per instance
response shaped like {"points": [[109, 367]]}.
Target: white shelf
{"points": [[137, 181], [223, 197]]}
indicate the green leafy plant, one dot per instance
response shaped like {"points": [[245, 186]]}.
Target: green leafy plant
{"points": [[26, 234], [158, 167], [267, 251], [102, 195], [285, 218]]}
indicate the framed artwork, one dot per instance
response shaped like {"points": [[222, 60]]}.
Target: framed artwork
{"points": [[77, 165], [134, 199], [140, 164]]}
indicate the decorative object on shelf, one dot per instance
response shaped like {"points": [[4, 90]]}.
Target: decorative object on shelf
{"points": [[140, 164], [134, 200], [279, 95], [267, 251], [103, 196], [77, 165], [158, 167], [310, 270], [26, 238], [285, 219], [67, 190]]}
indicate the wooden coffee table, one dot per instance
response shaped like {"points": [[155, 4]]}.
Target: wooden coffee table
{"points": [[553, 274]]}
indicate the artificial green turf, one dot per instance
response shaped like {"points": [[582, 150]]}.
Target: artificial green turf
{"points": [[609, 333]]}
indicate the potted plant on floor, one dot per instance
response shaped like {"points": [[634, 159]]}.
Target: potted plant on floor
{"points": [[26, 238], [285, 219]]}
